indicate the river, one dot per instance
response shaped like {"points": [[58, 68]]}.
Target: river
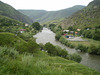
{"points": [[92, 61]]}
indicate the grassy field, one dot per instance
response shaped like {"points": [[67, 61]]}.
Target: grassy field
{"points": [[86, 43]]}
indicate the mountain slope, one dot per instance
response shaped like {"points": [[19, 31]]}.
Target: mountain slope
{"points": [[9, 11], [87, 17], [6, 21], [44, 16]]}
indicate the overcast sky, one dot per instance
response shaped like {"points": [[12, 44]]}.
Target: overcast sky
{"points": [[49, 5]]}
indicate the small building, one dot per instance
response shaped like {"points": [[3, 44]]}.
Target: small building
{"points": [[71, 32], [78, 29], [66, 31], [88, 29], [76, 32], [22, 30], [26, 25], [65, 34], [17, 24]]}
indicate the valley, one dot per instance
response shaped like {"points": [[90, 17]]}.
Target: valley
{"points": [[41, 42]]}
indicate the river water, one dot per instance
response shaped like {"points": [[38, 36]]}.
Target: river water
{"points": [[92, 61]]}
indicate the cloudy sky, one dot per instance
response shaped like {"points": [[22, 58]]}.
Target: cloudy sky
{"points": [[49, 5]]}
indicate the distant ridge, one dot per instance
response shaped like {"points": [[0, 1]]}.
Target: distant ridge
{"points": [[44, 16]]}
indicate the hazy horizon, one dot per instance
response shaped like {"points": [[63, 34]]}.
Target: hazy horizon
{"points": [[48, 5]]}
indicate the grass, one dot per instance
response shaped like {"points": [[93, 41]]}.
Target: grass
{"points": [[41, 63], [12, 62], [85, 43]]}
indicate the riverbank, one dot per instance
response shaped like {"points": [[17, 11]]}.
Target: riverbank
{"points": [[92, 61], [92, 48], [84, 45]]}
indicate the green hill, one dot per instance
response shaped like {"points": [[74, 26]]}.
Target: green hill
{"points": [[87, 17], [17, 58], [6, 21], [9, 11], [44, 16]]}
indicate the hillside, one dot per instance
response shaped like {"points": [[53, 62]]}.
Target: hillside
{"points": [[44, 16], [6, 21], [9, 11], [15, 61], [87, 17]]}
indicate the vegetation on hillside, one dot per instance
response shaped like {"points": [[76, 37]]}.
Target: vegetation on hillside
{"points": [[40, 63], [9, 11], [20, 54], [87, 19]]}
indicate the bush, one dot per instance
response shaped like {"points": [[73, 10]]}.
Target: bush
{"points": [[32, 46], [51, 49], [63, 40], [72, 46], [74, 57], [82, 48], [61, 52], [98, 50], [93, 49], [68, 44], [97, 35], [58, 35], [10, 40], [10, 52]]}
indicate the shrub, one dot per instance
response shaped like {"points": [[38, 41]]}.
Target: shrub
{"points": [[68, 44], [72, 46], [63, 40], [96, 36], [82, 48], [98, 50], [58, 35], [21, 47], [32, 46], [51, 49], [93, 49], [74, 57], [10, 52], [63, 53]]}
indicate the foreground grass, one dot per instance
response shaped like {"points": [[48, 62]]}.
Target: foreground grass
{"points": [[40, 63]]}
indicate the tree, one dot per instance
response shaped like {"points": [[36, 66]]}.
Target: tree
{"points": [[36, 26], [97, 35], [64, 53], [50, 48], [58, 35]]}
